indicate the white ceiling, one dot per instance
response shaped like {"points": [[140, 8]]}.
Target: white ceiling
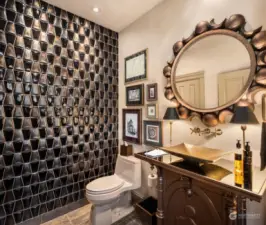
{"points": [[114, 14]]}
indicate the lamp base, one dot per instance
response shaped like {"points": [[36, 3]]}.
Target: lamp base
{"points": [[263, 147], [244, 128], [171, 124]]}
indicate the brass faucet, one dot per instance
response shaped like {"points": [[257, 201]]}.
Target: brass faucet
{"points": [[206, 131]]}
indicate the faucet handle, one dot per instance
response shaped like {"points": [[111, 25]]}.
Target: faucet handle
{"points": [[194, 130], [218, 131], [207, 131]]}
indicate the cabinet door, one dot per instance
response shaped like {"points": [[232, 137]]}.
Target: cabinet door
{"points": [[185, 204], [191, 89], [231, 84]]}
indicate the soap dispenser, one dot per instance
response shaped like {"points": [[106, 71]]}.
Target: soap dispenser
{"points": [[238, 167], [247, 167]]}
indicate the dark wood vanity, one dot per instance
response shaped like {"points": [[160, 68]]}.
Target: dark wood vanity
{"points": [[188, 196]]}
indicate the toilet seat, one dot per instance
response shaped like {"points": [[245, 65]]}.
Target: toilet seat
{"points": [[104, 185]]}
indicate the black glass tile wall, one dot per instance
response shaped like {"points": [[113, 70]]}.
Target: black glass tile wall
{"points": [[58, 107]]}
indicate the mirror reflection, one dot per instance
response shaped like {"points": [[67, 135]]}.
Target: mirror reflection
{"points": [[212, 72]]}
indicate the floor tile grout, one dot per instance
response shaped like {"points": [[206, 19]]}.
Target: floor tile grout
{"points": [[78, 217], [69, 219]]}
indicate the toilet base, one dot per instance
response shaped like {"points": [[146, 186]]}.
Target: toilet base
{"points": [[107, 214], [101, 215], [120, 213]]}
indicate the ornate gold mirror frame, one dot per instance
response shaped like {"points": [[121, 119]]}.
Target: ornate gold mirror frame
{"points": [[255, 43]]}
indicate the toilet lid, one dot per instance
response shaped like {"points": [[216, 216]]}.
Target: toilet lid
{"points": [[104, 185]]}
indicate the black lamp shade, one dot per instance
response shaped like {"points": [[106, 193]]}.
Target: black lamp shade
{"points": [[171, 114], [244, 115]]}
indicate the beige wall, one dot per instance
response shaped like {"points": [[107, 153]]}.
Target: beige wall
{"points": [[157, 31]]}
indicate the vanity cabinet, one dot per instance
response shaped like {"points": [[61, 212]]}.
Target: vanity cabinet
{"points": [[189, 197], [188, 202]]}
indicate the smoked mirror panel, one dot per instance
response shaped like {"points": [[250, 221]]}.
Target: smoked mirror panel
{"points": [[212, 72]]}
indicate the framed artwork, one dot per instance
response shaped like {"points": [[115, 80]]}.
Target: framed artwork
{"points": [[152, 93], [136, 67], [152, 111], [132, 126], [135, 95], [153, 133]]}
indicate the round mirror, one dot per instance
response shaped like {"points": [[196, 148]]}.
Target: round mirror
{"points": [[213, 71]]}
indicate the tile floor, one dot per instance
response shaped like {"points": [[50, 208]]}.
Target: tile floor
{"points": [[131, 219], [79, 216], [78, 213]]}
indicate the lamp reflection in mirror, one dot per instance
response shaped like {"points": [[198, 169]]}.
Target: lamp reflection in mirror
{"points": [[171, 115]]}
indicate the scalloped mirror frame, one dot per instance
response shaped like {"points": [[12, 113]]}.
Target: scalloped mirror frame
{"points": [[255, 43]]}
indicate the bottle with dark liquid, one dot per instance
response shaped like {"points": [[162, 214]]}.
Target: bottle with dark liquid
{"points": [[247, 167], [238, 167]]}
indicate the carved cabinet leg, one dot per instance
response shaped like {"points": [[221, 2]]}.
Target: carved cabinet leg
{"points": [[160, 211], [231, 210], [241, 211]]}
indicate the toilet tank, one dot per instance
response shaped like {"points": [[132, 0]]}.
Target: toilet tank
{"points": [[129, 169]]}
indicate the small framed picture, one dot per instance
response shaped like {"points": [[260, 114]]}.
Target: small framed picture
{"points": [[136, 67], [152, 93], [152, 111], [135, 95], [153, 133], [132, 127]]}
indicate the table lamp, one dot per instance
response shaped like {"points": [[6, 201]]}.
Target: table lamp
{"points": [[244, 115], [171, 115]]}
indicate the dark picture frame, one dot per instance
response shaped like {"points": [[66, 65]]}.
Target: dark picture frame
{"points": [[135, 95], [152, 92], [153, 133], [132, 125], [142, 66]]}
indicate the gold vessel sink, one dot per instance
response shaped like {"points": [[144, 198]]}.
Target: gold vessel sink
{"points": [[197, 154]]}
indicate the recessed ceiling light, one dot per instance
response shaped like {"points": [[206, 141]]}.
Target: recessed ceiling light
{"points": [[96, 9]]}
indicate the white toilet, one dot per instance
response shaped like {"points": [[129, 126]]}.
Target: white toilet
{"points": [[111, 195]]}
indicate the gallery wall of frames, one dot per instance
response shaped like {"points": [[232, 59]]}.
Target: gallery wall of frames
{"points": [[58, 107], [136, 130]]}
